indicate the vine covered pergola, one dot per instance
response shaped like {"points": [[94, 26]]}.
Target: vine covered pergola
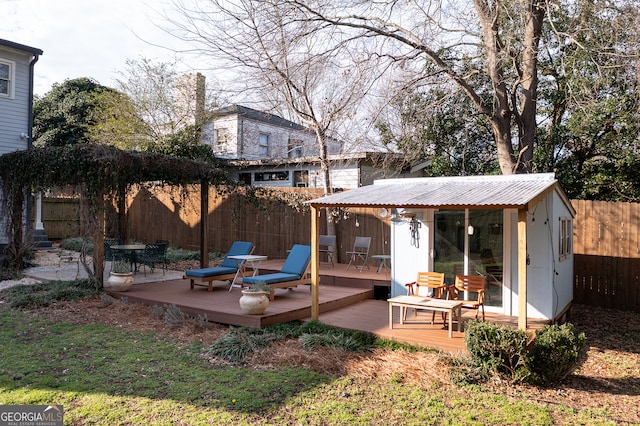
{"points": [[101, 174]]}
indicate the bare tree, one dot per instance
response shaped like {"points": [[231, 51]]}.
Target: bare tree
{"points": [[468, 43], [163, 99], [277, 58]]}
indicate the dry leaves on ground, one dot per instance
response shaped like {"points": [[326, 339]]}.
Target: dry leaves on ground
{"points": [[608, 378]]}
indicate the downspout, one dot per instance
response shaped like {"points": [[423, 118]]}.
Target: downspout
{"points": [[241, 138], [30, 110], [32, 64]]}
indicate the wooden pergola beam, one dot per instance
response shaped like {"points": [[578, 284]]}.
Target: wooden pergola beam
{"points": [[315, 264], [204, 223], [522, 269]]}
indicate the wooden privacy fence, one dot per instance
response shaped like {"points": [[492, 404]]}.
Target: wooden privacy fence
{"points": [[61, 217], [607, 254], [273, 226], [606, 241]]}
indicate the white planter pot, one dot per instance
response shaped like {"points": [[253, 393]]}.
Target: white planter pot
{"points": [[254, 302], [119, 281]]}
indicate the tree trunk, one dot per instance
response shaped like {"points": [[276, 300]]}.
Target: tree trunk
{"points": [[328, 189], [529, 84], [505, 105], [98, 237], [17, 248]]}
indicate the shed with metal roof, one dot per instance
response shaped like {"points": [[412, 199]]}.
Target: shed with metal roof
{"points": [[516, 230]]}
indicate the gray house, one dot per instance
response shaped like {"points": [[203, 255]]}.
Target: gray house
{"points": [[17, 63], [267, 150]]}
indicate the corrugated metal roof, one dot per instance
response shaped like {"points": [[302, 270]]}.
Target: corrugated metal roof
{"points": [[503, 191]]}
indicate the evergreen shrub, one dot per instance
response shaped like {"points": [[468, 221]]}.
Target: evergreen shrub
{"points": [[497, 348], [554, 353]]}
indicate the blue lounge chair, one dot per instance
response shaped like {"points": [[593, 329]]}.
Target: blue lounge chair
{"points": [[226, 271], [292, 273]]}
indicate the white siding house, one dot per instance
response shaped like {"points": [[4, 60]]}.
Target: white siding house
{"points": [[16, 99]]}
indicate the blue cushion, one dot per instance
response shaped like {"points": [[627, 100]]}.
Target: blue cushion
{"points": [[210, 272], [237, 248], [297, 260], [278, 277]]}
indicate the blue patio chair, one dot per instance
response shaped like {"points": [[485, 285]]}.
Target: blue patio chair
{"points": [[226, 271], [292, 273]]}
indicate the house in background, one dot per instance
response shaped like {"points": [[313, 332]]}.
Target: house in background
{"points": [[17, 63], [264, 149]]}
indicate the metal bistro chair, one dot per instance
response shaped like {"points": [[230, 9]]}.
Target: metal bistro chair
{"points": [[165, 246], [469, 289], [154, 254], [360, 253], [112, 255], [327, 245]]}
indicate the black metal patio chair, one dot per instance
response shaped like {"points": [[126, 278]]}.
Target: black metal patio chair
{"points": [[153, 255]]}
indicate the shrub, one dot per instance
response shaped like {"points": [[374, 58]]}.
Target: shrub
{"points": [[175, 254], [315, 334], [7, 273], [555, 352], [173, 315], [44, 294], [315, 327], [75, 244], [287, 330], [237, 344], [497, 348]]}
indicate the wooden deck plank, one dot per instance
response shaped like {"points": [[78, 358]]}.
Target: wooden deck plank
{"points": [[373, 316], [351, 307], [221, 305]]}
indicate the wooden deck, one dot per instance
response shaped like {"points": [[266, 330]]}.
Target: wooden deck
{"points": [[346, 300], [221, 305], [373, 316], [339, 288]]}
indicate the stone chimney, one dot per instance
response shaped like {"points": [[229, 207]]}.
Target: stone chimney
{"points": [[190, 98]]}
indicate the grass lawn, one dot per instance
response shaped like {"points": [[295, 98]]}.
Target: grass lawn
{"points": [[111, 374]]}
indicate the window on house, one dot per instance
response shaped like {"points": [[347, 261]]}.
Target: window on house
{"points": [[294, 148], [566, 238], [271, 176], [301, 178], [221, 136], [245, 178], [6, 78], [263, 145]]}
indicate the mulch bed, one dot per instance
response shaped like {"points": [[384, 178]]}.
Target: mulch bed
{"points": [[607, 380]]}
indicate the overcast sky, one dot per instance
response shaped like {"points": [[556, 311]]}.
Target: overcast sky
{"points": [[85, 38]]}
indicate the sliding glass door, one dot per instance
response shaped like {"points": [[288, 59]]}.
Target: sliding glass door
{"points": [[449, 239], [470, 242]]}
